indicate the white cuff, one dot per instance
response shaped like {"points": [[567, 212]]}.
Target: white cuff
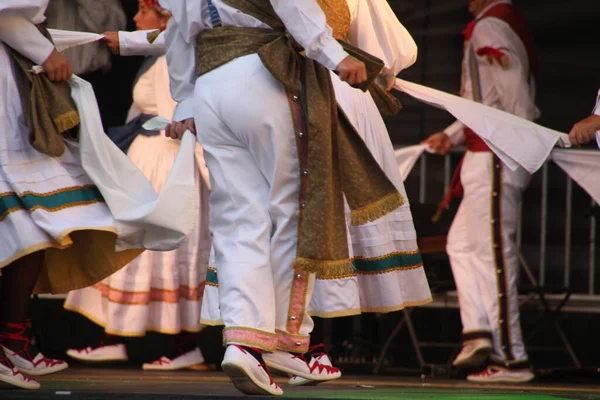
{"points": [[330, 55], [184, 110], [455, 132]]}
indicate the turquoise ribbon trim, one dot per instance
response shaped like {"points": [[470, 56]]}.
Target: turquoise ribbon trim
{"points": [[394, 262], [211, 277], [59, 200]]}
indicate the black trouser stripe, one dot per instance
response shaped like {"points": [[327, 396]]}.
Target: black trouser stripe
{"points": [[476, 335], [498, 249]]}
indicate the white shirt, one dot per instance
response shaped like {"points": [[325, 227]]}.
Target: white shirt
{"points": [[597, 107], [136, 43], [303, 19], [375, 29], [510, 89], [17, 28]]}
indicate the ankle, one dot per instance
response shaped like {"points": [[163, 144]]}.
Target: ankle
{"points": [[185, 342], [254, 352]]}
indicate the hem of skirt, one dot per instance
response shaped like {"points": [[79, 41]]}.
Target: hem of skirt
{"points": [[65, 234], [335, 314], [211, 322], [26, 252], [127, 333], [62, 242], [377, 310]]}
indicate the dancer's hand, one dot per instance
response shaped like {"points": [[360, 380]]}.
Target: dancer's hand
{"points": [[439, 142], [112, 41], [178, 128], [584, 131], [57, 67], [352, 71]]}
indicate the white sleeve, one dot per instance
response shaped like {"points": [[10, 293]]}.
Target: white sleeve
{"points": [[180, 35], [306, 22], [511, 83], [376, 30], [22, 35], [456, 133], [136, 44], [597, 107]]}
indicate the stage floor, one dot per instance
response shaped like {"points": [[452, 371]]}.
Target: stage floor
{"points": [[89, 383]]}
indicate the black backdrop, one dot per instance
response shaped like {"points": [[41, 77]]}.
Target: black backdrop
{"points": [[567, 44]]}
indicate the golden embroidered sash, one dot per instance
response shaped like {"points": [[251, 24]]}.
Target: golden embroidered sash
{"points": [[48, 107]]}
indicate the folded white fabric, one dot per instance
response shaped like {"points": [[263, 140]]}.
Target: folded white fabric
{"points": [[67, 39], [583, 167], [516, 141], [407, 157], [144, 218]]}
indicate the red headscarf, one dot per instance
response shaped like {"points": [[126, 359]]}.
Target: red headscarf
{"points": [[154, 5]]}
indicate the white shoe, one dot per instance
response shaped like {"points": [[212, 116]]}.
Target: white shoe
{"points": [[474, 354], [188, 359], [14, 377], [40, 365], [115, 352], [247, 374], [492, 374], [323, 359], [298, 366]]}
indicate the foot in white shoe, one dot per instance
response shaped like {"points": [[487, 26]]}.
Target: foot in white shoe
{"points": [[492, 374], [317, 352], [297, 365], [38, 366], [474, 354], [111, 353], [183, 361], [247, 373], [11, 375]]}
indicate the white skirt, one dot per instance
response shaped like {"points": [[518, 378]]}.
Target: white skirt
{"points": [[158, 291], [49, 203], [389, 271]]}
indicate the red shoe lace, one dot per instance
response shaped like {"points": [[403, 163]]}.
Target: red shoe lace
{"points": [[20, 334], [317, 351], [317, 365], [486, 372], [14, 371], [162, 361], [263, 365]]}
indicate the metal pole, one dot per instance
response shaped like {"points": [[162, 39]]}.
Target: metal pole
{"points": [[592, 264], [543, 227], [447, 174], [520, 224], [423, 180], [568, 220]]}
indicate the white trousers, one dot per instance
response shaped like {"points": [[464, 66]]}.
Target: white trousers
{"points": [[483, 255], [245, 126]]}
